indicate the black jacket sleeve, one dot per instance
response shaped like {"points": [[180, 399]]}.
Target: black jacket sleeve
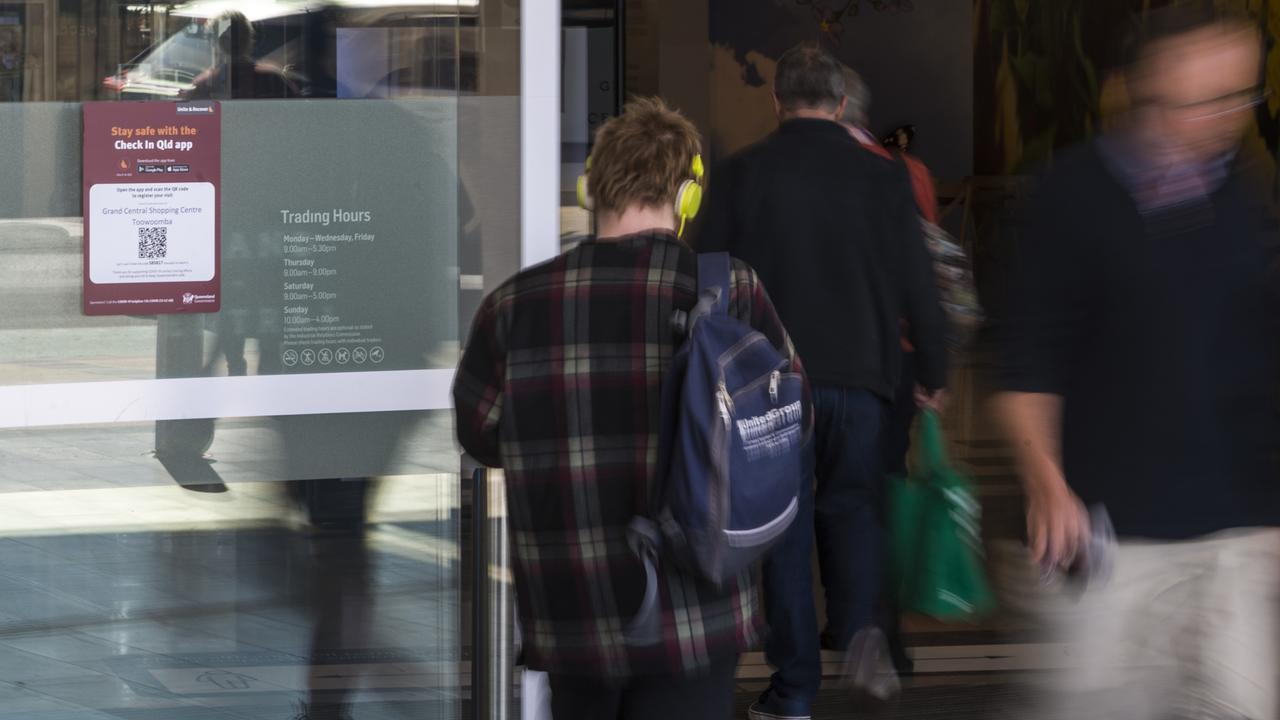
{"points": [[1271, 233], [923, 306]]}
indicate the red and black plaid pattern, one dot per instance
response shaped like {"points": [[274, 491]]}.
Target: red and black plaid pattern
{"points": [[560, 385]]}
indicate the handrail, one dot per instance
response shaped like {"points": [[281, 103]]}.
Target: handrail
{"points": [[492, 600]]}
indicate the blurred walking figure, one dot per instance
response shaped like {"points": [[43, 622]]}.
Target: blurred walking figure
{"points": [[1141, 372], [236, 74], [895, 435], [836, 235], [561, 386], [897, 427], [340, 599]]}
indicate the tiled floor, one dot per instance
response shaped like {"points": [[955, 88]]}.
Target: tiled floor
{"points": [[239, 615]]}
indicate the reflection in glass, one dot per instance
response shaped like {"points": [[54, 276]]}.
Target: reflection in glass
{"points": [[314, 573]]}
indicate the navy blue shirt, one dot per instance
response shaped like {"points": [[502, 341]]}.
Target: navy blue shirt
{"points": [[1158, 329]]}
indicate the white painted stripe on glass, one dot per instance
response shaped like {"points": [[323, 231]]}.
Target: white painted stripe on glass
{"points": [[223, 397], [540, 77]]}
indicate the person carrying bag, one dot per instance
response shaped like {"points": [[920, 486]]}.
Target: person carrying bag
{"points": [[936, 563]]}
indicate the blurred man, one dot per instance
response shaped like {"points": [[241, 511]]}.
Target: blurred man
{"points": [[837, 239], [1141, 372], [560, 385], [237, 75]]}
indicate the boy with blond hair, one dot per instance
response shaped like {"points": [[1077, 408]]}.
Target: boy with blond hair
{"points": [[560, 385]]}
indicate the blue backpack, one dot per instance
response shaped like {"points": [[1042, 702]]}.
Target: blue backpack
{"points": [[729, 468]]}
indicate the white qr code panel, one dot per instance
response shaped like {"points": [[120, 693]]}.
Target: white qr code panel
{"points": [[153, 243], [152, 233]]}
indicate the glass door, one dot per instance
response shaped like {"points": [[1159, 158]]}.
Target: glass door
{"points": [[254, 512]]}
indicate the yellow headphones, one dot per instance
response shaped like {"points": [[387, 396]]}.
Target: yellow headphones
{"points": [[688, 197]]}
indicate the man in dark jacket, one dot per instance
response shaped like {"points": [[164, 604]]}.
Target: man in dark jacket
{"points": [[834, 233], [1140, 368]]}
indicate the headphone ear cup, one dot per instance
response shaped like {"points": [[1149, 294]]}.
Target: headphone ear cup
{"points": [[584, 193], [688, 200]]}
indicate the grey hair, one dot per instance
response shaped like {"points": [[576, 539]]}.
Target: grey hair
{"points": [[808, 78], [856, 110]]}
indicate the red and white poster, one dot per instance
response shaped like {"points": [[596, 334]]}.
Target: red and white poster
{"points": [[152, 177]]}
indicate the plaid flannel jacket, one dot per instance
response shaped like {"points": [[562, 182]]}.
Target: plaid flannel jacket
{"points": [[560, 385]]}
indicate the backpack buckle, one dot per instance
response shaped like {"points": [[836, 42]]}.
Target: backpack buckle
{"points": [[680, 323]]}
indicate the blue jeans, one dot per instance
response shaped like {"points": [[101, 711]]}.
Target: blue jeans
{"points": [[845, 510]]}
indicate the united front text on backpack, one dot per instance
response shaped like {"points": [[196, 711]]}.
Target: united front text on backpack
{"points": [[730, 463]]}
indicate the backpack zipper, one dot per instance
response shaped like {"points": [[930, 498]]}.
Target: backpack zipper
{"points": [[726, 404], [764, 380]]}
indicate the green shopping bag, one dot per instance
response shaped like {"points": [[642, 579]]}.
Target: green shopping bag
{"points": [[934, 530]]}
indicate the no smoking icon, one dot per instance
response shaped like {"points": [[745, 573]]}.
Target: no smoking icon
{"points": [[290, 357], [360, 355]]}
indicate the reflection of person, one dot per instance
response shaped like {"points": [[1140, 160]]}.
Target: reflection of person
{"points": [[250, 296], [1140, 378], [237, 74], [834, 233], [248, 277], [319, 44], [11, 70], [577, 439], [339, 592]]}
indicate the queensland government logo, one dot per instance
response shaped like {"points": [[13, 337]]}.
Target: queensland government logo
{"points": [[193, 299]]}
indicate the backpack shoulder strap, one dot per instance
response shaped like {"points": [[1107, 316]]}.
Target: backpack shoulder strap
{"points": [[715, 272]]}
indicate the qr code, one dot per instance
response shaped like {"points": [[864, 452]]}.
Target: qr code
{"points": [[153, 243]]}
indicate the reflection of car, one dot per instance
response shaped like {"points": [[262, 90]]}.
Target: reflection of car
{"points": [[347, 48], [165, 70]]}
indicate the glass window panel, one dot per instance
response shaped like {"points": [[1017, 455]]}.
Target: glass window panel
{"points": [[252, 564]]}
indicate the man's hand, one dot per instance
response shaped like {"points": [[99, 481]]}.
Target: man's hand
{"points": [[935, 400], [1057, 523]]}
